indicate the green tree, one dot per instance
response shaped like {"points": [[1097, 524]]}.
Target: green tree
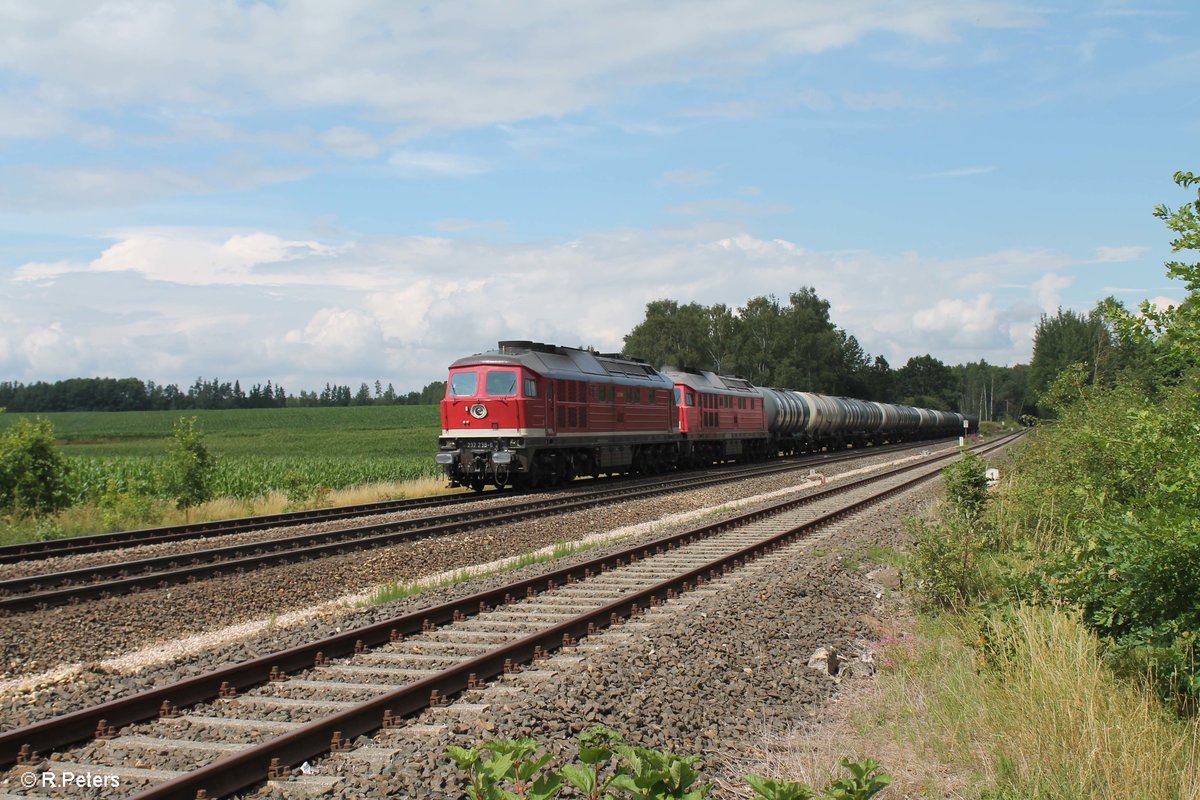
{"points": [[432, 393], [758, 340], [1172, 334], [672, 334], [927, 382], [880, 381], [721, 329], [810, 352], [33, 473], [192, 466], [1064, 339]]}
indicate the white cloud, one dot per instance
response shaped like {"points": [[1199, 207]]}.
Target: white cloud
{"points": [[426, 66], [426, 162], [957, 315], [193, 261], [172, 304], [37, 188], [1046, 290], [1161, 302], [332, 340], [1117, 255], [350, 142]]}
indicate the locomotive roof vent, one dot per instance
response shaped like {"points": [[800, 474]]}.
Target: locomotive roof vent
{"points": [[515, 346]]}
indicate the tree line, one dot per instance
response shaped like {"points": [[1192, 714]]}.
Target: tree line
{"points": [[134, 394], [795, 345]]}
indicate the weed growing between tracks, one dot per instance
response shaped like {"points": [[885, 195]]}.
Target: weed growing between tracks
{"points": [[399, 591]]}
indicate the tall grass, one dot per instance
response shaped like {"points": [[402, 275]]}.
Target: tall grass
{"points": [[1030, 711], [89, 518]]}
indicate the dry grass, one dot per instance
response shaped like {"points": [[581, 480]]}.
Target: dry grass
{"points": [[277, 502], [1033, 713], [86, 519]]}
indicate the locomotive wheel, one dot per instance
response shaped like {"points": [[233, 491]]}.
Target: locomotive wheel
{"points": [[477, 484]]}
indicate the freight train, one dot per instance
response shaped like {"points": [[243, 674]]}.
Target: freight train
{"points": [[530, 414]]}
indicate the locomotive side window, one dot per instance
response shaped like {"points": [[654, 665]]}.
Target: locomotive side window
{"points": [[691, 399], [531, 387], [501, 384], [464, 384]]}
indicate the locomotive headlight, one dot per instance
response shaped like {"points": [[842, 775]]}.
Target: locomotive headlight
{"points": [[444, 458], [502, 457]]}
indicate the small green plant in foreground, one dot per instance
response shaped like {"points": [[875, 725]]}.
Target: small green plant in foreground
{"points": [[866, 780], [609, 769]]}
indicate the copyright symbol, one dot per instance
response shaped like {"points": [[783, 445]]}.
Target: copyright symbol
{"points": [[28, 780]]}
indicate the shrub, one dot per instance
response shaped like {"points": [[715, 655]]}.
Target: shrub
{"points": [[33, 473], [946, 562], [192, 466]]}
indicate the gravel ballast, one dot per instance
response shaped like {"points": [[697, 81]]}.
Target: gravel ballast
{"points": [[699, 676]]}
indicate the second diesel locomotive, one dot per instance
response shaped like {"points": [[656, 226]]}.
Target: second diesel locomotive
{"points": [[531, 414]]}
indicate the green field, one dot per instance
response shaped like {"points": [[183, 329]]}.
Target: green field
{"points": [[257, 450]]}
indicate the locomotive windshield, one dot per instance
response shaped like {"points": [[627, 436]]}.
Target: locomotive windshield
{"points": [[501, 384], [463, 384]]}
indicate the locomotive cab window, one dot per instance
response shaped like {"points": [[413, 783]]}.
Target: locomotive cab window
{"points": [[464, 384], [691, 400], [501, 384], [531, 387]]}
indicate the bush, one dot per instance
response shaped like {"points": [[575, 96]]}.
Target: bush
{"points": [[33, 473], [192, 466], [966, 484], [1108, 495], [947, 562]]}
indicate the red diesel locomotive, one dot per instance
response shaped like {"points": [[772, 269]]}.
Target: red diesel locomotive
{"points": [[532, 414]]}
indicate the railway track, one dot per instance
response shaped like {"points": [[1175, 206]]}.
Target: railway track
{"points": [[253, 721], [39, 591], [100, 542]]}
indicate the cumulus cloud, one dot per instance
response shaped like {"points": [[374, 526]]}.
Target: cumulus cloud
{"points": [[953, 315], [193, 261], [1162, 302], [1046, 290], [189, 302]]}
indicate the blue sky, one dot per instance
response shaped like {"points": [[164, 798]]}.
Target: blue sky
{"points": [[308, 191]]}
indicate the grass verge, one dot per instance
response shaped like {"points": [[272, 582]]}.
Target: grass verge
{"points": [[1022, 705], [81, 520]]}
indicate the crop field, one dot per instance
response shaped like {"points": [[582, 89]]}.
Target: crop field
{"points": [[256, 450]]}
